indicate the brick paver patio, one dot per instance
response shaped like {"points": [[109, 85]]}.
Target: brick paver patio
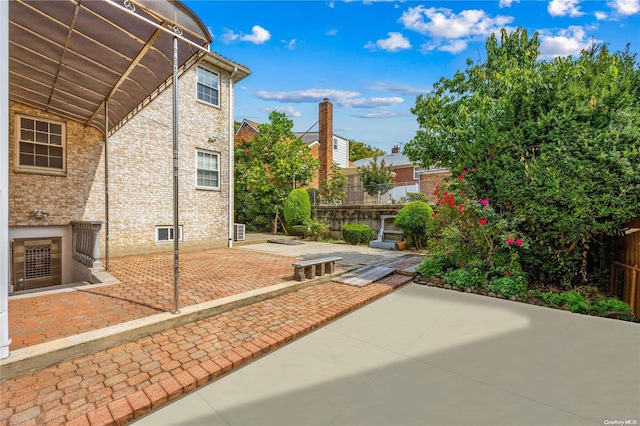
{"points": [[127, 381], [146, 289]]}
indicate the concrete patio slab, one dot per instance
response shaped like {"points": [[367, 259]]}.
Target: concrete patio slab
{"points": [[429, 356]]}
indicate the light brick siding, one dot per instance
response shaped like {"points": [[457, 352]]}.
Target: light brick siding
{"points": [[63, 197], [141, 170], [140, 174]]}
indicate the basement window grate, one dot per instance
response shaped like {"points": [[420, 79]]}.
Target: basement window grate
{"points": [[37, 261]]}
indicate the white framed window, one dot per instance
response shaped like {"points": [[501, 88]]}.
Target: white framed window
{"points": [[164, 234], [417, 171], [207, 169], [335, 144], [208, 86], [40, 145]]}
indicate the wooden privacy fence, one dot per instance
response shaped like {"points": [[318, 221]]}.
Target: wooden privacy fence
{"points": [[630, 287]]}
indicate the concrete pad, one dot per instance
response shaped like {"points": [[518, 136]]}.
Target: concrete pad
{"points": [[428, 356], [276, 390], [187, 412]]}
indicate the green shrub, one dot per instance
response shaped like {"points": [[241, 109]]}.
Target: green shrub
{"points": [[464, 278], [416, 219], [297, 207], [509, 285], [299, 230], [612, 305], [432, 266], [355, 233], [417, 196], [316, 229]]}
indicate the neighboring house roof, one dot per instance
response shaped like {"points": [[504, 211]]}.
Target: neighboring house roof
{"points": [[252, 124], [67, 58], [396, 161]]}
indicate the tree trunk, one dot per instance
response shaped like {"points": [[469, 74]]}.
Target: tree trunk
{"points": [[275, 222]]}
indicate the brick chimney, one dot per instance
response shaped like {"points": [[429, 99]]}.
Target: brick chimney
{"points": [[325, 136], [395, 150]]}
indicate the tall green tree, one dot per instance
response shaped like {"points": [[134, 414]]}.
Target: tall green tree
{"points": [[333, 189], [360, 150], [268, 167], [376, 178], [555, 145]]}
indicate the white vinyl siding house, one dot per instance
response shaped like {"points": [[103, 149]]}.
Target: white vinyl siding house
{"points": [[341, 151]]}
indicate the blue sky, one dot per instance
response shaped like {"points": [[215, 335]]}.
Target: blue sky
{"points": [[372, 58]]}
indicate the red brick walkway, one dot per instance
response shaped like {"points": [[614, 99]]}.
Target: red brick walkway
{"points": [[117, 385], [146, 289]]}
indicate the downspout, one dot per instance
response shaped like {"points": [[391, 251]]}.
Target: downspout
{"points": [[231, 157], [5, 340]]}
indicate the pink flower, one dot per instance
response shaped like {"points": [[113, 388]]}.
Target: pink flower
{"points": [[460, 177], [484, 202], [509, 240], [518, 242], [483, 221], [464, 172], [461, 208]]}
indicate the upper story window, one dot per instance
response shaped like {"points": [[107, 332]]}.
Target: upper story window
{"points": [[207, 169], [417, 171], [41, 145], [335, 143], [208, 86]]}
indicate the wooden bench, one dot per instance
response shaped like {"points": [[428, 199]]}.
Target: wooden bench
{"points": [[314, 267]]}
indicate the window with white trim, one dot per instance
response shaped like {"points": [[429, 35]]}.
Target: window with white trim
{"points": [[208, 87], [335, 143], [417, 171], [207, 169], [41, 145], [164, 234]]}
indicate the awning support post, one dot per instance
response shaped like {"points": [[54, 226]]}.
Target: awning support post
{"points": [[176, 226], [106, 184]]}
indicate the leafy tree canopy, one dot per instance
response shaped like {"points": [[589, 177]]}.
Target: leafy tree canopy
{"points": [[376, 178], [553, 144], [268, 167], [360, 150]]}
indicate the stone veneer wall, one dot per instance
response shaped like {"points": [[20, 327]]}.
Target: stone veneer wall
{"points": [[338, 216], [63, 197], [141, 170]]}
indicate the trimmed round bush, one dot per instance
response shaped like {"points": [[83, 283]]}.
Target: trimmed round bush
{"points": [[355, 233], [299, 230], [416, 219], [297, 207]]}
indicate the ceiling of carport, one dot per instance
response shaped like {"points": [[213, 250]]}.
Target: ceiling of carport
{"points": [[67, 56]]}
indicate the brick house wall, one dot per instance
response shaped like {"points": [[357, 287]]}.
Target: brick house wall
{"points": [[404, 175], [428, 182], [141, 169], [64, 198], [244, 134]]}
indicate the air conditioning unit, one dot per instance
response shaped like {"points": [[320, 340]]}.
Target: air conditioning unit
{"points": [[238, 232]]}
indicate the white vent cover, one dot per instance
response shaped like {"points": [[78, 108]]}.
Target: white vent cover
{"points": [[238, 232]]}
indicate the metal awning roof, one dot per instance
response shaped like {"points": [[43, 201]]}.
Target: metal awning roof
{"points": [[67, 56]]}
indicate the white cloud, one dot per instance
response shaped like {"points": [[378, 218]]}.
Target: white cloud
{"points": [[507, 3], [382, 114], [291, 44], [454, 46], [564, 8], [442, 22], [289, 111], [393, 43], [569, 41], [338, 97], [332, 4], [331, 32], [452, 32], [258, 35], [625, 7], [600, 16], [402, 89]]}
